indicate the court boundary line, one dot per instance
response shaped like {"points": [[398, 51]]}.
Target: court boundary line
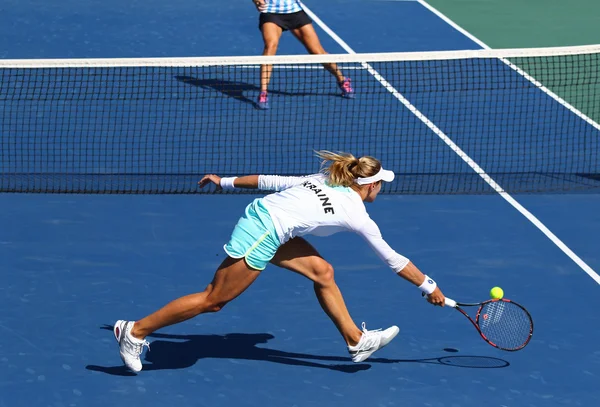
{"points": [[468, 160]]}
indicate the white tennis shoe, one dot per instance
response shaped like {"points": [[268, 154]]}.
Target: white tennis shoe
{"points": [[130, 348], [371, 341]]}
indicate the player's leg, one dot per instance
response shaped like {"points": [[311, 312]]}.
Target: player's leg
{"points": [[251, 246], [231, 279], [271, 34], [307, 35], [301, 257]]}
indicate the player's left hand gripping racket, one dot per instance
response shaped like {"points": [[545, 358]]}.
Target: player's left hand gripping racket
{"points": [[502, 323]]}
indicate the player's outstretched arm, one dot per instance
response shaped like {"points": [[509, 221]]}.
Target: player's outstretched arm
{"points": [[400, 264], [262, 181]]}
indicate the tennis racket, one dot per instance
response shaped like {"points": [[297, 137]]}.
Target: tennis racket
{"points": [[502, 323]]}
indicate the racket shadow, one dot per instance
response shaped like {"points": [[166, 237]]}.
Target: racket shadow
{"points": [[171, 352], [465, 361]]}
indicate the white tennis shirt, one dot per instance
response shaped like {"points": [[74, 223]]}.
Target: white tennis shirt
{"points": [[308, 206]]}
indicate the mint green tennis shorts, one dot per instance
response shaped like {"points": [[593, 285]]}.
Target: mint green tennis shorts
{"points": [[254, 237]]}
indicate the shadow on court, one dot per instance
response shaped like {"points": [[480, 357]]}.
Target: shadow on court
{"points": [[170, 352], [238, 90]]}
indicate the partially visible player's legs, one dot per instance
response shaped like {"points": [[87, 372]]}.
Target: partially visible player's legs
{"points": [[301, 257], [309, 38], [271, 33], [231, 279]]}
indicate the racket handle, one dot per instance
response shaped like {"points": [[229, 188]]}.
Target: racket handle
{"points": [[450, 302]]}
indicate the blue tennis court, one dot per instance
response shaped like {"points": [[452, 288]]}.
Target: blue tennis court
{"points": [[75, 263]]}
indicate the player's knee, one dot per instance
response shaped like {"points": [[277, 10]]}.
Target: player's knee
{"points": [[214, 306], [270, 48], [210, 303], [324, 273]]}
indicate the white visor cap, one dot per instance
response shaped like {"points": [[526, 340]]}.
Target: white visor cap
{"points": [[382, 175]]}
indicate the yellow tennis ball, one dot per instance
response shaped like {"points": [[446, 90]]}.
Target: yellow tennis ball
{"points": [[496, 293]]}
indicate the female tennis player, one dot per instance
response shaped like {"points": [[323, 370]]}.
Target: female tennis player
{"points": [[277, 16], [271, 230]]}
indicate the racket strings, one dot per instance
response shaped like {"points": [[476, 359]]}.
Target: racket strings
{"points": [[505, 324]]}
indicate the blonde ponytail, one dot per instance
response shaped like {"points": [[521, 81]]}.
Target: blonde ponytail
{"points": [[343, 168]]}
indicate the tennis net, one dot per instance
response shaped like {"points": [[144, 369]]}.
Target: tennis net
{"points": [[452, 122]]}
